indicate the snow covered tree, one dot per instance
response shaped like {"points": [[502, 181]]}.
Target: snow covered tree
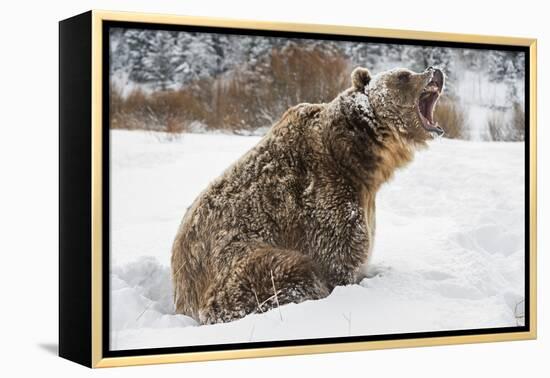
{"points": [[162, 60]]}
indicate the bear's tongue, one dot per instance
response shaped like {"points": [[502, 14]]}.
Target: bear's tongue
{"points": [[426, 105]]}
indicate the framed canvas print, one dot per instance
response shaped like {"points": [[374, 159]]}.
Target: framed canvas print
{"points": [[235, 189]]}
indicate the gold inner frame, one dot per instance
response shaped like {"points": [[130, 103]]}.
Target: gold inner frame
{"points": [[97, 196]]}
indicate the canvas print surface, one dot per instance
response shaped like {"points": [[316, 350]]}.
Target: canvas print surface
{"points": [[392, 202]]}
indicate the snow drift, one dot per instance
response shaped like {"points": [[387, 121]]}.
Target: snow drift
{"points": [[449, 250]]}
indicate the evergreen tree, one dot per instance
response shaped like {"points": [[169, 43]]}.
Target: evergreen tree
{"points": [[162, 59]]}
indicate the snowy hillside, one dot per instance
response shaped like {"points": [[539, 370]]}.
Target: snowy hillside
{"points": [[449, 251]]}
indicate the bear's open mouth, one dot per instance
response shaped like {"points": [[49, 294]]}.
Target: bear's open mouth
{"points": [[427, 101]]}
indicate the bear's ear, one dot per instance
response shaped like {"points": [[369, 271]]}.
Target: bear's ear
{"points": [[360, 78]]}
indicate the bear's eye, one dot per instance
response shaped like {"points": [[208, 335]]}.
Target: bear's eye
{"points": [[404, 77]]}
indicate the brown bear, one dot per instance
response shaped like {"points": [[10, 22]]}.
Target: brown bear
{"points": [[295, 216]]}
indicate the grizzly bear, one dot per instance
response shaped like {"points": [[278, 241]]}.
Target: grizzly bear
{"points": [[295, 216]]}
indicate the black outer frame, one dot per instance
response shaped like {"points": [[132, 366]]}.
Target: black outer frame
{"points": [[75, 191]]}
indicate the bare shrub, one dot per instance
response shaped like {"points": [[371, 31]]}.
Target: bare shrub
{"points": [[295, 75], [518, 122], [234, 104], [116, 103], [160, 111], [452, 118], [256, 97], [508, 127], [128, 112], [301, 75], [164, 112], [497, 127]]}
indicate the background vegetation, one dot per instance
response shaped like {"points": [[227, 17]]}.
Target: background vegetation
{"points": [[199, 82]]}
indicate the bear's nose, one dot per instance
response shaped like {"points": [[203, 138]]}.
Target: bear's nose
{"points": [[434, 70]]}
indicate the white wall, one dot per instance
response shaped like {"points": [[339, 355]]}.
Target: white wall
{"points": [[28, 185]]}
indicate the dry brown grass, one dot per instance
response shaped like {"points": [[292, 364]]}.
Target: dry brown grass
{"points": [[299, 75], [240, 100], [497, 127], [452, 118], [518, 122], [510, 129]]}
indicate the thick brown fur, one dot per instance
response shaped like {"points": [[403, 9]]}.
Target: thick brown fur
{"points": [[296, 214]]}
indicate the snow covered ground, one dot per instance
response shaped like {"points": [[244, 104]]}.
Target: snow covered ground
{"points": [[449, 251]]}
